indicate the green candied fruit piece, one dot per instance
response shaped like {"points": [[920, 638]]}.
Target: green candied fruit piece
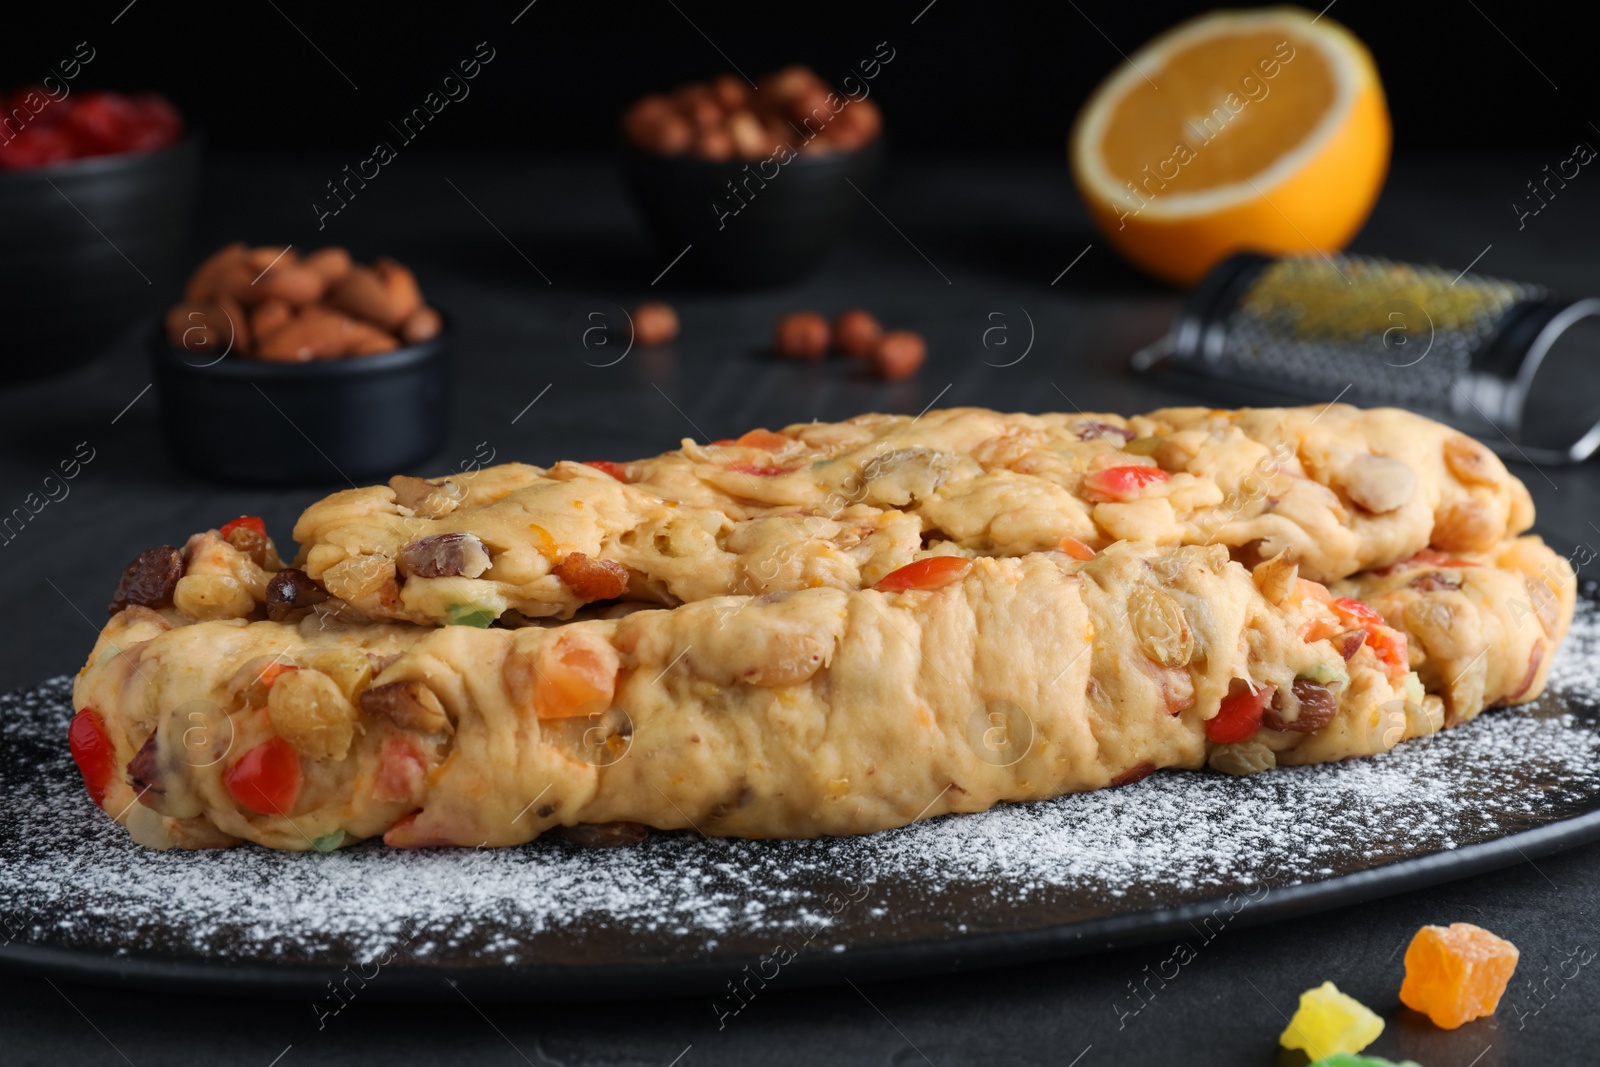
{"points": [[470, 615], [1413, 687], [1326, 674], [1143, 446], [328, 842], [1345, 1059]]}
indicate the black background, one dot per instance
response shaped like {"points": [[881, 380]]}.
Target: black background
{"points": [[968, 77], [976, 230]]}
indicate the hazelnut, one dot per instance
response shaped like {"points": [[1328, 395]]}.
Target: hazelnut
{"points": [[705, 113], [730, 91], [422, 325], [654, 324], [899, 354], [715, 145], [671, 137], [641, 121], [788, 84], [856, 333], [801, 335], [749, 137]]}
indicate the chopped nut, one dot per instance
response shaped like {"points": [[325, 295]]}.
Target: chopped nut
{"points": [[1350, 642], [1090, 430], [255, 677], [429, 500], [350, 668], [358, 577], [1546, 604], [446, 555], [1377, 484], [1276, 577], [1470, 462], [307, 709], [1436, 582], [290, 590], [1242, 758], [1159, 626], [212, 596], [1313, 704], [149, 580], [1466, 526], [592, 579], [409, 704]]}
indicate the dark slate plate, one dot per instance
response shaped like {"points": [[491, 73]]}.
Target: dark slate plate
{"points": [[1177, 855]]}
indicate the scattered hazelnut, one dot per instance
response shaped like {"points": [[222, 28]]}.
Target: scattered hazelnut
{"points": [[899, 354], [801, 335], [655, 324], [856, 333]]}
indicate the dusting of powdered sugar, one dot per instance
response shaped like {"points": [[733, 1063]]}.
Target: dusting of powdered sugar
{"points": [[70, 878]]}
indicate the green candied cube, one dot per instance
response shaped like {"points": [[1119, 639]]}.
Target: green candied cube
{"points": [[1346, 1059]]}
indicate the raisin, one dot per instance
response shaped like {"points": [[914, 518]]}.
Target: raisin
{"points": [[410, 705], [1317, 708], [1436, 582], [252, 543], [1350, 642], [149, 580], [144, 770], [290, 590], [592, 579], [1088, 431]]}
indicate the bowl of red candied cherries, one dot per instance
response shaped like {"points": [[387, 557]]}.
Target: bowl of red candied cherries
{"points": [[95, 193]]}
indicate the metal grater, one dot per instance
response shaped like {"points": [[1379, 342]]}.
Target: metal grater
{"points": [[1508, 362]]}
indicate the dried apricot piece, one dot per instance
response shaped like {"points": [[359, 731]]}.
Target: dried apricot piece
{"points": [[1456, 973]]}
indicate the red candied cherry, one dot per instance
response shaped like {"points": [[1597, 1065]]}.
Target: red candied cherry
{"points": [[93, 752], [266, 780]]}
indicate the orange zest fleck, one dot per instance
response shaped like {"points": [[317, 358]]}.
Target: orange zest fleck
{"points": [[1076, 548], [923, 574]]}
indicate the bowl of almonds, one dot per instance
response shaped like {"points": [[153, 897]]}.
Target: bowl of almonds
{"points": [[285, 367]]}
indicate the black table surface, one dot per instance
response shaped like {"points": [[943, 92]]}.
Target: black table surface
{"points": [[972, 255]]}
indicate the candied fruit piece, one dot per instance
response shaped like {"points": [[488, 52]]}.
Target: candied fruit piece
{"points": [[1456, 973], [1345, 1059], [1329, 1022]]}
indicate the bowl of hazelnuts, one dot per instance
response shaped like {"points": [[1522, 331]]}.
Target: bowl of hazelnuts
{"points": [[752, 184], [289, 367]]}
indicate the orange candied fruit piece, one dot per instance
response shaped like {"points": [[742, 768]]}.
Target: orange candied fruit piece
{"points": [[765, 440], [1456, 973]]}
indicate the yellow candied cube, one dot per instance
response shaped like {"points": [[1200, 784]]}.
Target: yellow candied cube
{"points": [[1329, 1022]]}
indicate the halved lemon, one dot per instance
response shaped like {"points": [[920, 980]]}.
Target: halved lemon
{"points": [[1263, 130]]}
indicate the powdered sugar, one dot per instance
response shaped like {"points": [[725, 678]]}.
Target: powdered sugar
{"points": [[70, 878]]}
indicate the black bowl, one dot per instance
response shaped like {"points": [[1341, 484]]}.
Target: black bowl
{"points": [[85, 247], [329, 421], [776, 230]]}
